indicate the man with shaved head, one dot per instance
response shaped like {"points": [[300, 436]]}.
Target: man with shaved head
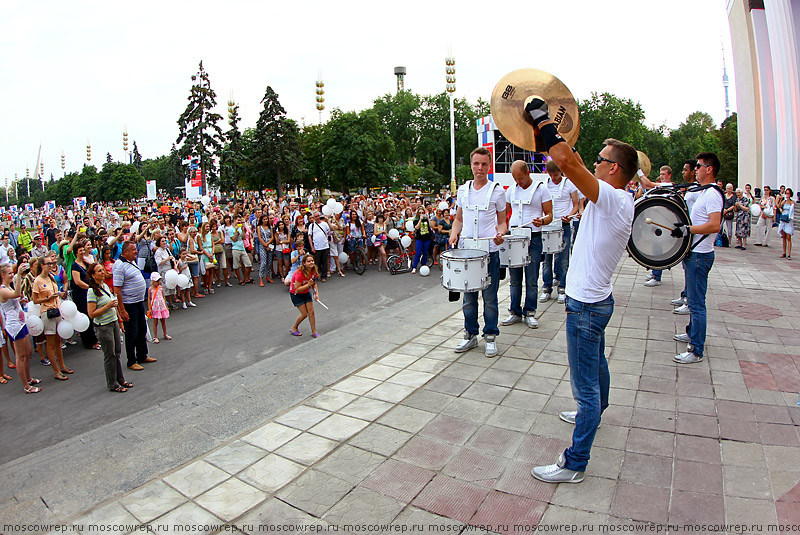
{"points": [[531, 207]]}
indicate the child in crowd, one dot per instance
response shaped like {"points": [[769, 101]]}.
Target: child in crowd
{"points": [[157, 307], [182, 267], [303, 291]]}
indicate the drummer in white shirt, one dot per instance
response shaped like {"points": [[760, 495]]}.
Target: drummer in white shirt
{"points": [[664, 179], [565, 206], [531, 207]]}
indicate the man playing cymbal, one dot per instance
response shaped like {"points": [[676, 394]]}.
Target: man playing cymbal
{"points": [[605, 229]]}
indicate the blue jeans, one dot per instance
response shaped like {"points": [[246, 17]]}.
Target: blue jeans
{"points": [[531, 280], [561, 264], [696, 266], [421, 250], [588, 373], [657, 274], [490, 310]]}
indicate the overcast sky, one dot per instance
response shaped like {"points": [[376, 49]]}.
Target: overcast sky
{"points": [[74, 71]]}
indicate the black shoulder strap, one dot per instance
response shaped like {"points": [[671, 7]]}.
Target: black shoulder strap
{"points": [[703, 188]]}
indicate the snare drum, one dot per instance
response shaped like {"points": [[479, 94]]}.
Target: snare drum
{"points": [[653, 246], [514, 251], [553, 238], [465, 270]]}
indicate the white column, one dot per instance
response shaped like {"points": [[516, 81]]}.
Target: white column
{"points": [[769, 130], [783, 43]]}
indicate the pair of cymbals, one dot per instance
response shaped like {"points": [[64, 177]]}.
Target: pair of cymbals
{"points": [[515, 90], [644, 163]]}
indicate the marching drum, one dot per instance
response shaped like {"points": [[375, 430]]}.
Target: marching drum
{"points": [[514, 251], [654, 216], [552, 238], [465, 270]]}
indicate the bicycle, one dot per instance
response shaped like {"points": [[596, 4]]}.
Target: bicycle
{"points": [[358, 259], [401, 263]]}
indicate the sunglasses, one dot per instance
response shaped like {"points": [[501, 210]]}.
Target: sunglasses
{"points": [[600, 160], [698, 165]]}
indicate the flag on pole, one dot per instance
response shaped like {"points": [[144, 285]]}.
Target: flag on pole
{"points": [[29, 207], [50, 205]]}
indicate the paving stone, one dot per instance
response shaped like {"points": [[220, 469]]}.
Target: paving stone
{"points": [[428, 523], [410, 378], [380, 439], [306, 448], [500, 513], [366, 409], [188, 518], [398, 480], [774, 415], [315, 492], [426, 452], [449, 429], [782, 457], [658, 385], [512, 365], [496, 441], [698, 477], [271, 473], [701, 449], [749, 511], [236, 456], [511, 418], [695, 390], [271, 436], [196, 478], [231, 499], [331, 400], [397, 360], [736, 410], [451, 498], [695, 405], [486, 392], [785, 484], [366, 508], [475, 467], [429, 365], [611, 436], [520, 399], [556, 515], [407, 418], [338, 427], [649, 470], [696, 509], [427, 400], [640, 502], [463, 371], [269, 515], [517, 480], [618, 415], [350, 463], [390, 392], [152, 500], [109, 514], [746, 482], [540, 450], [468, 409], [650, 442], [494, 376], [356, 385], [416, 350], [653, 419], [595, 494], [303, 417], [378, 372], [698, 425], [743, 454], [739, 430], [778, 435], [448, 385], [605, 462]]}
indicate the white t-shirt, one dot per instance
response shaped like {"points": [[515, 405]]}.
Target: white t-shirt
{"points": [[690, 197], [605, 230], [487, 219], [707, 202], [531, 210], [561, 194], [319, 235]]}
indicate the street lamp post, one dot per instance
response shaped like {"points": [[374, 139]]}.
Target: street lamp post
{"points": [[63, 163], [320, 98], [125, 143], [450, 69]]}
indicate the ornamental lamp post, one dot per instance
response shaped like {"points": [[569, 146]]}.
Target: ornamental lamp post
{"points": [[320, 98], [88, 151], [125, 142], [28, 179], [41, 175], [450, 69], [63, 162]]}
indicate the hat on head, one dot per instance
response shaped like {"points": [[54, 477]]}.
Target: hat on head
{"points": [[155, 276]]}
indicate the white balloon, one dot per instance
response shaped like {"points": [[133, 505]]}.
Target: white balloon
{"points": [[405, 241], [68, 310], [65, 329], [338, 208], [184, 282], [410, 226], [424, 271], [34, 309], [331, 202], [109, 240], [135, 227], [755, 210], [394, 234], [80, 322], [205, 199], [327, 210], [171, 279], [343, 258], [443, 206], [35, 325], [768, 211]]}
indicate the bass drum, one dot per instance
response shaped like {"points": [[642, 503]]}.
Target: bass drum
{"points": [[652, 245]]}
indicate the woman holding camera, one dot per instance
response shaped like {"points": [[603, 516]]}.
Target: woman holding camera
{"points": [[80, 285], [786, 226], [45, 293]]}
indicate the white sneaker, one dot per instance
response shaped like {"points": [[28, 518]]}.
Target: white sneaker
{"points": [[682, 310], [682, 337], [184, 305], [562, 298], [544, 296], [556, 473], [467, 343], [678, 302], [650, 276], [531, 322], [414, 270], [491, 347], [687, 358], [568, 416], [511, 319], [191, 304], [652, 282]]}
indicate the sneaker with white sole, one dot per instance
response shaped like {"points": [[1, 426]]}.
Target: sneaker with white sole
{"points": [[491, 346], [556, 473], [652, 282], [678, 302], [568, 416], [687, 358], [183, 306], [467, 343], [562, 298], [682, 337], [531, 322], [191, 304], [544, 296], [650, 276], [511, 320], [682, 310]]}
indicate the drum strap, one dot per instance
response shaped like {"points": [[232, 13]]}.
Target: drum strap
{"points": [[703, 188], [517, 201], [560, 186], [478, 207]]}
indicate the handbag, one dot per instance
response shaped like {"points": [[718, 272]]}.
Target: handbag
{"points": [[784, 218], [728, 215], [53, 313], [150, 265]]}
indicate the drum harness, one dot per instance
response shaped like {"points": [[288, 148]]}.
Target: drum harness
{"points": [[517, 203], [475, 208], [695, 187]]}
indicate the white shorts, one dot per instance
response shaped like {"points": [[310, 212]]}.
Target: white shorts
{"points": [[241, 258]]}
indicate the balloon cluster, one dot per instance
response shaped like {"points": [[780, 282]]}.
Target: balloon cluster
{"points": [[173, 279], [71, 322], [332, 207]]}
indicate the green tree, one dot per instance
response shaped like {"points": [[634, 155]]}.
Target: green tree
{"points": [[232, 155], [606, 116], [697, 134], [311, 143], [199, 131], [121, 182], [88, 183], [166, 170], [728, 146], [277, 156], [399, 115]]}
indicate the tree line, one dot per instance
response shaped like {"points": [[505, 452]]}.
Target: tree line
{"points": [[402, 140]]}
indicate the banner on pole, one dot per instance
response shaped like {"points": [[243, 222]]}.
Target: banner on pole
{"points": [[79, 201], [151, 190], [29, 207]]}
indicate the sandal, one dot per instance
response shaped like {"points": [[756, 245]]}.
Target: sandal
{"points": [[32, 390], [783, 255], [97, 347], [295, 333], [3, 380], [119, 389], [61, 377], [6, 377], [315, 335], [127, 384], [167, 337], [69, 371], [34, 381], [156, 341], [11, 365]]}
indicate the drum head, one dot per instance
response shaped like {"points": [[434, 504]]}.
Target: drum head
{"points": [[653, 246]]}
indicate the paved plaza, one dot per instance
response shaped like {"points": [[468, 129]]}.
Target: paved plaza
{"points": [[414, 437]]}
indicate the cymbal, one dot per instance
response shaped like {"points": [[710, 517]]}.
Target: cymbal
{"points": [[508, 107], [644, 163]]}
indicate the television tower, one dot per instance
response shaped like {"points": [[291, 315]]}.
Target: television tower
{"points": [[725, 85], [400, 72]]}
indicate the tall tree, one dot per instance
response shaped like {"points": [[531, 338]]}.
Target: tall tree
{"points": [[137, 158], [398, 114], [199, 131], [232, 155], [728, 145], [109, 159], [277, 156], [604, 115], [121, 182]]}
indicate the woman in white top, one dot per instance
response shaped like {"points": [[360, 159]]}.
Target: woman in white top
{"points": [[17, 331], [766, 218], [786, 226]]}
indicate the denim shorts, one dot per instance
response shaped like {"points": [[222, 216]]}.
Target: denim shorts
{"points": [[301, 299]]}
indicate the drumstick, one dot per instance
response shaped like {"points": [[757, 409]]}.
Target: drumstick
{"points": [[323, 304], [651, 222]]}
